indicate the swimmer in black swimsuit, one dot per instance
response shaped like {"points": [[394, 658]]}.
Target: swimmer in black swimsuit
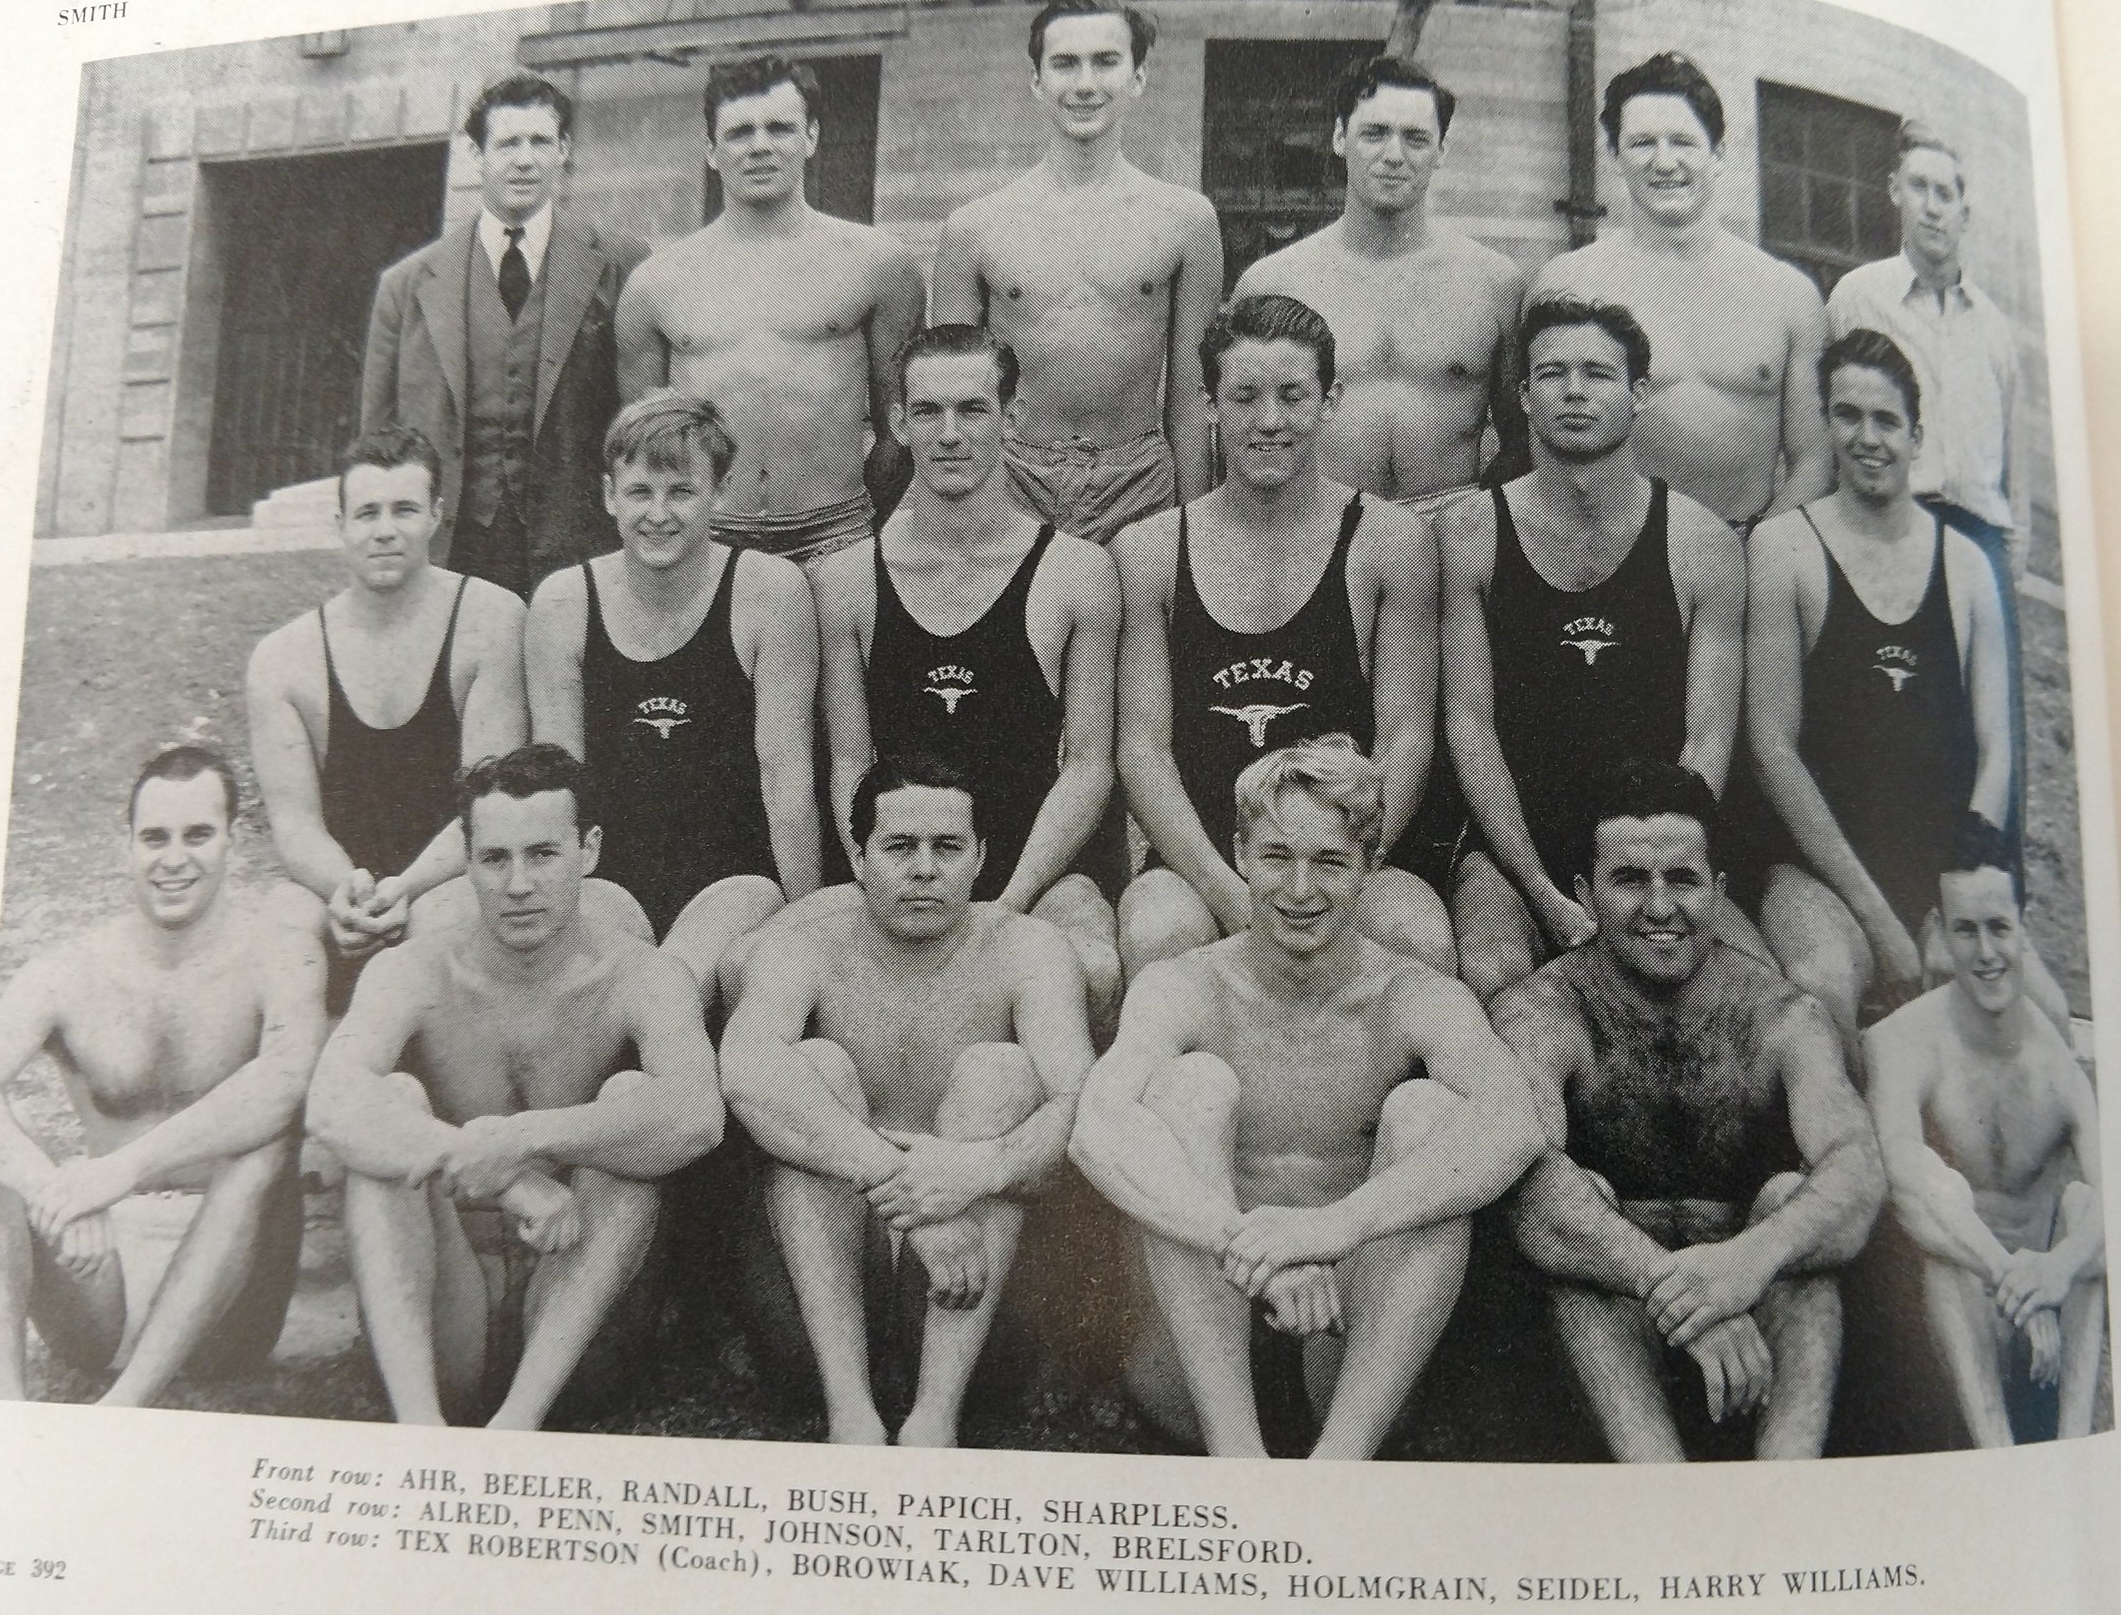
{"points": [[1710, 1165]]}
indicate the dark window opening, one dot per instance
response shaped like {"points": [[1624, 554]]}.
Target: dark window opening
{"points": [[1823, 166]]}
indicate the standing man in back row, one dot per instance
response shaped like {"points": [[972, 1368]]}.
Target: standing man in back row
{"points": [[495, 342], [1102, 279], [1424, 318], [787, 318]]}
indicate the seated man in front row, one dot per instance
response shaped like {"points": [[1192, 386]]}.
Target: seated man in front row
{"points": [[184, 1029], [530, 1074], [1256, 1117], [1711, 1164], [916, 1057], [1991, 1141]]}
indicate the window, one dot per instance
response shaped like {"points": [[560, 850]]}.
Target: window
{"points": [[1823, 167]]}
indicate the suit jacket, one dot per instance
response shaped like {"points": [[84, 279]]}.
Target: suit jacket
{"points": [[415, 374]]}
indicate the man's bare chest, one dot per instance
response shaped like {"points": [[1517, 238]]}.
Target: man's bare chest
{"points": [[155, 1047], [493, 1052]]}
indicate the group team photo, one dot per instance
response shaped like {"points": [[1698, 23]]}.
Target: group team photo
{"points": [[1119, 824]]}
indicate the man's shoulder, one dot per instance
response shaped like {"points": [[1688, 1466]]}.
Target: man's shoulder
{"points": [[1885, 279], [1581, 269], [1462, 251], [1911, 1031], [423, 258], [1776, 1008], [614, 245], [1795, 289], [1183, 201], [286, 653], [1282, 269], [1079, 566], [1152, 540]]}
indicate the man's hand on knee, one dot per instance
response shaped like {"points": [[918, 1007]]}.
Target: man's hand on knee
{"points": [[937, 1179], [546, 1215], [85, 1244], [1705, 1285], [78, 1189], [955, 1256], [1304, 1300], [1737, 1370], [1271, 1239], [486, 1156], [2033, 1281]]}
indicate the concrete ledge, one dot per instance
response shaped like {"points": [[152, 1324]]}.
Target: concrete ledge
{"points": [[180, 546]]}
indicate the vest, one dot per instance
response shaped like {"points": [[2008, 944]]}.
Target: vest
{"points": [[502, 361]]}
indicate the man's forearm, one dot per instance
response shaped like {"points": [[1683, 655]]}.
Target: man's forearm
{"points": [[1935, 1205], [374, 1137], [1028, 1153], [791, 827], [1158, 797], [1065, 821], [440, 861], [1465, 1162], [1135, 1162], [312, 858], [1570, 1231], [1823, 1225], [251, 1108], [644, 1133], [795, 1119], [1491, 793]]}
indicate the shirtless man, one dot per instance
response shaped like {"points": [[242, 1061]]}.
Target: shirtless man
{"points": [[1302, 1123], [974, 633], [1589, 613], [1281, 606], [1102, 279], [1709, 1163], [1423, 316], [184, 1030], [914, 1059], [361, 809], [1878, 706], [683, 673], [1733, 413], [502, 1153], [1991, 1142], [787, 318]]}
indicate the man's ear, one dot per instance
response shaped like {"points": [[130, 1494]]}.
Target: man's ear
{"points": [[592, 846]]}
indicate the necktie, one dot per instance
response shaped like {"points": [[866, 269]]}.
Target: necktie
{"points": [[515, 273]]}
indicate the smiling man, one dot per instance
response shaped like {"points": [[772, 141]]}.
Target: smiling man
{"points": [[1301, 1123], [1732, 415], [910, 1063], [787, 318], [506, 1095], [1101, 279], [1422, 316], [1991, 1142], [1589, 613], [183, 1030], [1281, 606], [1709, 1163]]}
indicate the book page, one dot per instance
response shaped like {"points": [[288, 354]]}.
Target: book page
{"points": [[230, 222]]}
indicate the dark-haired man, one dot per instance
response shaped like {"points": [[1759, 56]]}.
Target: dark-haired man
{"points": [[1709, 1163], [1281, 606], [913, 1059], [506, 1095], [1732, 415], [495, 342], [1589, 612], [1102, 279], [1422, 315], [787, 318], [1991, 1142], [184, 1030], [682, 672], [975, 633], [1302, 1124]]}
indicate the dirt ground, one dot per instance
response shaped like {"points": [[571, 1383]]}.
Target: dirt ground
{"points": [[124, 657]]}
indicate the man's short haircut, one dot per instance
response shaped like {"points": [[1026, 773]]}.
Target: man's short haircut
{"points": [[1646, 788], [523, 773], [519, 87], [959, 342], [1365, 79], [1141, 26], [1265, 317], [180, 763], [1916, 135], [663, 429], [387, 448], [1560, 311], [1666, 73], [755, 75], [1865, 349], [896, 772], [1979, 844], [1332, 772]]}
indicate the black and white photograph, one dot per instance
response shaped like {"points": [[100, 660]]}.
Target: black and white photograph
{"points": [[1329, 730]]}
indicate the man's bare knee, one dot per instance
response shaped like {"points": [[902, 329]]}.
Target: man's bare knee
{"points": [[1773, 1196], [611, 905], [1161, 917], [993, 1089], [1410, 1110], [1075, 904]]}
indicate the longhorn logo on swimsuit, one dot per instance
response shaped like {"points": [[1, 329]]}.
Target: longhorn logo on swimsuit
{"points": [[1257, 716], [662, 713], [950, 684], [1589, 635], [1897, 663]]}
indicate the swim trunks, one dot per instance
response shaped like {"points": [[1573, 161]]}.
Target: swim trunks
{"points": [[1088, 491], [805, 537]]}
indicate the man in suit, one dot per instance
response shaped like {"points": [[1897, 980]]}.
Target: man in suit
{"points": [[496, 343]]}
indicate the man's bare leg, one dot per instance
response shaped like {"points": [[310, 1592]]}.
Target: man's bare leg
{"points": [[1075, 905], [17, 1265], [421, 1286], [2083, 1325], [1398, 1293], [1962, 1316], [993, 1089], [212, 1264], [1161, 917], [820, 1223], [1800, 1318], [1822, 950], [1498, 940], [1401, 911], [702, 934], [1209, 1319], [1617, 1356]]}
